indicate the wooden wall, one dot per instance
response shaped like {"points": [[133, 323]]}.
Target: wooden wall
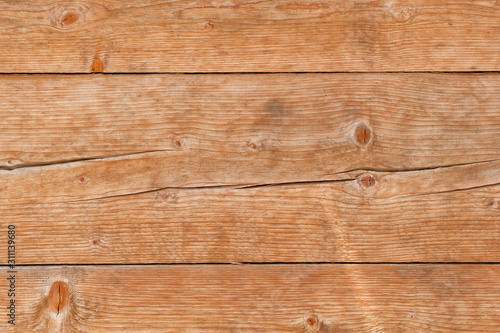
{"points": [[250, 166]]}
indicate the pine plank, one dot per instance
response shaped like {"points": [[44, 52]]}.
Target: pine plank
{"points": [[249, 36], [258, 298], [438, 215], [244, 123]]}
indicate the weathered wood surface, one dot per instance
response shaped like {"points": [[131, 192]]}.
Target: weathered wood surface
{"points": [[141, 169], [249, 36], [424, 216], [259, 298], [246, 128]]}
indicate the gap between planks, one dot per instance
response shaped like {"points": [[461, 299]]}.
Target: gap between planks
{"points": [[263, 263], [249, 73]]}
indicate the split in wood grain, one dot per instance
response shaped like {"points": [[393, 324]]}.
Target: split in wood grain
{"points": [[441, 179], [386, 218], [58, 297], [11, 166]]}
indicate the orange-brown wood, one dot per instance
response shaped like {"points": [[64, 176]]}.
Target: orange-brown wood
{"points": [[247, 128], [251, 168], [249, 36], [306, 202], [261, 298], [441, 215]]}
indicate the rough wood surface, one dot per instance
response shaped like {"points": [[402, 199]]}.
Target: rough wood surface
{"points": [[244, 128], [249, 36], [259, 298], [251, 168], [306, 202], [439, 215]]}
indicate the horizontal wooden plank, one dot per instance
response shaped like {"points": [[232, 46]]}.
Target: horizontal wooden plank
{"points": [[437, 215], [235, 126], [249, 36], [256, 298]]}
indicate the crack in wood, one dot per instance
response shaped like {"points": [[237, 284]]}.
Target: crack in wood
{"points": [[373, 187], [59, 303], [77, 160], [402, 170], [124, 156], [460, 189], [214, 187]]}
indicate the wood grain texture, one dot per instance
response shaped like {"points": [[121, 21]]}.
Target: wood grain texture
{"points": [[252, 127], [262, 298], [251, 168], [437, 215], [249, 36]]}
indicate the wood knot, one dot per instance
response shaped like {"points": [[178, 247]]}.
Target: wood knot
{"points": [[401, 12], [256, 145], [68, 16], [178, 144], [82, 179], [314, 323], [367, 180], [492, 203], [167, 196], [69, 19], [97, 66], [11, 162], [363, 135], [58, 297]]}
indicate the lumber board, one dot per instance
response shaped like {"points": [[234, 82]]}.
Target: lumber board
{"points": [[141, 36], [258, 298], [243, 123], [438, 215]]}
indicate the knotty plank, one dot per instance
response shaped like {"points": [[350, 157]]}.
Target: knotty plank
{"points": [[258, 298], [406, 167], [239, 126], [437, 215], [249, 36]]}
